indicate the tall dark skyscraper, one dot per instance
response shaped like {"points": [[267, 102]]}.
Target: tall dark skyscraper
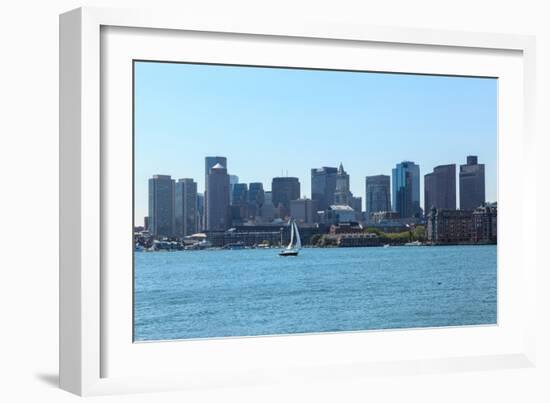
{"points": [[377, 193], [472, 184], [323, 186], [217, 199], [284, 189], [161, 206], [342, 194], [406, 189], [209, 162], [440, 188], [185, 207], [255, 199], [239, 204]]}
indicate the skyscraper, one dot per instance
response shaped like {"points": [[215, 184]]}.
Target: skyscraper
{"points": [[284, 189], [209, 162], [304, 211], [239, 205], [357, 204], [185, 207], [267, 211], [233, 180], [161, 206], [255, 199], [342, 194], [406, 189], [472, 184], [217, 199], [323, 186], [377, 194], [440, 188]]}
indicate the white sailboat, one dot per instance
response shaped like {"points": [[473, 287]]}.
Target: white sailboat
{"points": [[292, 249]]}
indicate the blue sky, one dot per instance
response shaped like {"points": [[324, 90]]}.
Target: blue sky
{"points": [[269, 121]]}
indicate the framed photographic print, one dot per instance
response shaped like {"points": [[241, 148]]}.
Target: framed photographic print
{"points": [[246, 202]]}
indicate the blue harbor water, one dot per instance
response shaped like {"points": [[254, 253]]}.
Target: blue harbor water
{"points": [[218, 293]]}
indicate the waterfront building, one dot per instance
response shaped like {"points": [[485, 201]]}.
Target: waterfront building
{"points": [[377, 193], [218, 215], [209, 162], [284, 190], [346, 228], [406, 189], [323, 186], [342, 194], [233, 180], [359, 239], [185, 207], [304, 211], [449, 226], [239, 205], [472, 184], [440, 188], [161, 206], [255, 199], [484, 226], [235, 239]]}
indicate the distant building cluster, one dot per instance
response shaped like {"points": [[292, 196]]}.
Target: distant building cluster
{"points": [[177, 209]]}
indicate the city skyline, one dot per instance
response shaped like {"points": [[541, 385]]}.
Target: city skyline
{"points": [[256, 157]]}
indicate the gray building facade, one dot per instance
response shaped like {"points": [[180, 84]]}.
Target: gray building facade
{"points": [[239, 203], [357, 204], [377, 194], [200, 212], [161, 206], [472, 184], [255, 199], [304, 211], [209, 162], [233, 180], [185, 207], [218, 215], [323, 186], [440, 188], [284, 190]]}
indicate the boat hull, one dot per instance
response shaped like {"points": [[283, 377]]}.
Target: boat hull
{"points": [[290, 253]]}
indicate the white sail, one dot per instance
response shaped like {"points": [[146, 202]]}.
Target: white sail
{"points": [[291, 235], [298, 241]]}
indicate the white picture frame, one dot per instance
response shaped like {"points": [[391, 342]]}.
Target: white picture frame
{"points": [[96, 356]]}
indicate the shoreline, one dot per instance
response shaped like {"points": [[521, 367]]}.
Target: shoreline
{"points": [[317, 247]]}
